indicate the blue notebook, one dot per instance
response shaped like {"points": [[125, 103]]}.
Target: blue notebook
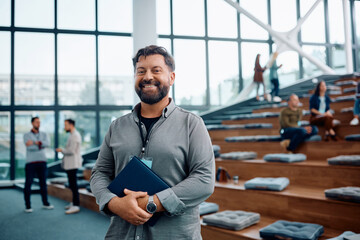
{"points": [[136, 176]]}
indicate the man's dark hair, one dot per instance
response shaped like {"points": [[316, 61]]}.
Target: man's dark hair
{"points": [[152, 50], [33, 119], [317, 89], [72, 122]]}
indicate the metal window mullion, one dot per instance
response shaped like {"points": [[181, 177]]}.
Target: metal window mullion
{"points": [[12, 94], [207, 92], [241, 81], [327, 34], [56, 83]]}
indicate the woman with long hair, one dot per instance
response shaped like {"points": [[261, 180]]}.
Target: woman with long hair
{"points": [[320, 111], [258, 77]]}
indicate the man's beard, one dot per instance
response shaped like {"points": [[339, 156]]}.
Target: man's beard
{"points": [[67, 130], [152, 98]]}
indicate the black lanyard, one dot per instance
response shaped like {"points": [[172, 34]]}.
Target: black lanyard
{"points": [[146, 140]]}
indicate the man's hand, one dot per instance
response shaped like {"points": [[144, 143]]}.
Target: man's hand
{"points": [[29, 143], [127, 207], [308, 129], [58, 150]]}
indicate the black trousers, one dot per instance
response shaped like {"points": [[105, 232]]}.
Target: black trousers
{"points": [[73, 186], [38, 168]]}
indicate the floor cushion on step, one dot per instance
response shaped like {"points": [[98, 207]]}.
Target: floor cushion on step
{"points": [[239, 126], [239, 155], [353, 137], [346, 83], [208, 207], [349, 89], [285, 157], [256, 138], [292, 230], [233, 220], [352, 237], [348, 109], [58, 180], [81, 183], [258, 125], [344, 98], [344, 234], [216, 149], [274, 184], [254, 115], [345, 160], [351, 194], [89, 165], [313, 138]]}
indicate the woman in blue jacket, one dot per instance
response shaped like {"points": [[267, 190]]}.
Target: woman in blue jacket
{"points": [[320, 111]]}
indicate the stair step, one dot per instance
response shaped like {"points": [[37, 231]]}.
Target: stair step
{"points": [[252, 232], [295, 203], [314, 150], [307, 173], [343, 130]]}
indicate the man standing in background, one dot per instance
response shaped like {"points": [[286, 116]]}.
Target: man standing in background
{"points": [[36, 142], [71, 162]]}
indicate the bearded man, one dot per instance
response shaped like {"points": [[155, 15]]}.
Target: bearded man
{"points": [[176, 143]]}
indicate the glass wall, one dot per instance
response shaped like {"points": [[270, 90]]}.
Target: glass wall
{"points": [[4, 145], [79, 64], [5, 68], [68, 68]]}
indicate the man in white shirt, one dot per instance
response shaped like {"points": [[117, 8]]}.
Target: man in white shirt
{"points": [[71, 162]]}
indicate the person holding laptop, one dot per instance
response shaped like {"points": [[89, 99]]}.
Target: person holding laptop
{"points": [[175, 144]]}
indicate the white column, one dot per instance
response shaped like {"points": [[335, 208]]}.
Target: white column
{"points": [[348, 44], [144, 23], [144, 27]]}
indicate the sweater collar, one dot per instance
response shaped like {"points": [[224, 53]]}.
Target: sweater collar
{"points": [[165, 112]]}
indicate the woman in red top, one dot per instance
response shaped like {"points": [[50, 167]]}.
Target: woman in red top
{"points": [[258, 76]]}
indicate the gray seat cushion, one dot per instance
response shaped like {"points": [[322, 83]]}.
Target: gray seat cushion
{"points": [[313, 138], [274, 184], [239, 155], [216, 149], [345, 98], [256, 138], [234, 220], [208, 207], [351, 194], [346, 83], [353, 137], [239, 126], [345, 160], [344, 234], [284, 157], [293, 230], [89, 165], [352, 237]]}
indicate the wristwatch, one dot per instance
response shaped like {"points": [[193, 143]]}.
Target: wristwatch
{"points": [[151, 206]]}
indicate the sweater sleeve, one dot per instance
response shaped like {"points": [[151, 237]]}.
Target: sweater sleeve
{"points": [[199, 184], [102, 173]]}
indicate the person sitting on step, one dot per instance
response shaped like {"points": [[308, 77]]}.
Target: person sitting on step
{"points": [[291, 132], [320, 111]]}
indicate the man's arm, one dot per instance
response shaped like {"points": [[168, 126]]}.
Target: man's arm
{"points": [[45, 141], [72, 145], [199, 185], [29, 143], [108, 202]]}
